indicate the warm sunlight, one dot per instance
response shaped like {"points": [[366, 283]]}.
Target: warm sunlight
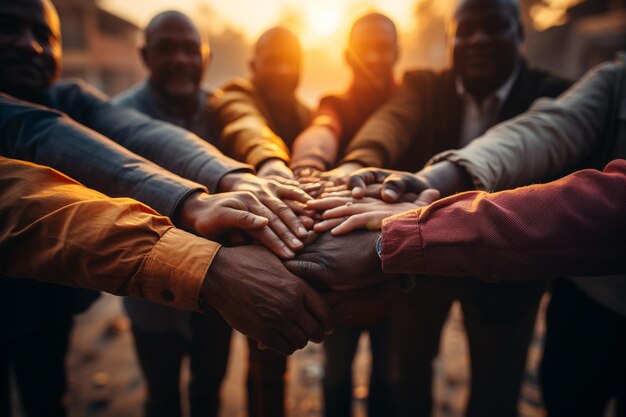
{"points": [[323, 22]]}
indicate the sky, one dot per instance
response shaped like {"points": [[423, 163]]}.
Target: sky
{"points": [[318, 19]]}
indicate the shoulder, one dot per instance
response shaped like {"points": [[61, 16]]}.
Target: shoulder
{"points": [[130, 97]]}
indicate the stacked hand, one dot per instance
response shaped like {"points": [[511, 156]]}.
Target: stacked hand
{"points": [[276, 304]]}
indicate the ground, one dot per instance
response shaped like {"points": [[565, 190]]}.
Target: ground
{"points": [[105, 380]]}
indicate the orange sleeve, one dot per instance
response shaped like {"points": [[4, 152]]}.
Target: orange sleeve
{"points": [[54, 229]]}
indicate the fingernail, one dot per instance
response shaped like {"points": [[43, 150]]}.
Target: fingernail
{"points": [[301, 230], [391, 193], [357, 190], [296, 243]]}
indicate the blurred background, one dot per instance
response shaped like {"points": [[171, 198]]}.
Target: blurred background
{"points": [[101, 40]]}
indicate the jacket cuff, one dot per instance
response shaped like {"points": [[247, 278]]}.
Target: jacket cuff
{"points": [[212, 176], [402, 250], [479, 178], [174, 270]]}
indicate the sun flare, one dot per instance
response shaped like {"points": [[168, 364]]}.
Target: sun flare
{"points": [[323, 22]]}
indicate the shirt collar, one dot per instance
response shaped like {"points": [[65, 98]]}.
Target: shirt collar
{"points": [[502, 93]]}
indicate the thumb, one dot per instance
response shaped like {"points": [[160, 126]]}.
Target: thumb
{"points": [[427, 197], [307, 270], [393, 188]]}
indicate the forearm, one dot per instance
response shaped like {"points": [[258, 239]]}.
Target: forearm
{"points": [[245, 134], [56, 230], [573, 226], [47, 137], [542, 143], [168, 146], [316, 147]]}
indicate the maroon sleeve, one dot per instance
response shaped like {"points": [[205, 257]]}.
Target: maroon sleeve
{"points": [[573, 226]]}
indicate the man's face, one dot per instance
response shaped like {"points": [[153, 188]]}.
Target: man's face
{"points": [[276, 68], [175, 57], [30, 48], [486, 40], [372, 53]]}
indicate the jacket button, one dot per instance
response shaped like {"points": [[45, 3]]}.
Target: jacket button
{"points": [[168, 295]]}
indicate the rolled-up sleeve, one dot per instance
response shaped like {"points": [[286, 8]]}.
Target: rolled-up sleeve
{"points": [[56, 230]]}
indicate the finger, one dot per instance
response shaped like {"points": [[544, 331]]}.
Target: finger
{"points": [[295, 335], [348, 209], [299, 208], [393, 188], [307, 222], [360, 179], [278, 343], [285, 192], [320, 312], [326, 225], [307, 270], [369, 221], [333, 188], [345, 193], [268, 238], [233, 219], [285, 222], [282, 180], [269, 211], [310, 187], [427, 197], [329, 203]]}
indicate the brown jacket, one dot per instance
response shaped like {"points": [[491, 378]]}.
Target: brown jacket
{"points": [[250, 129]]}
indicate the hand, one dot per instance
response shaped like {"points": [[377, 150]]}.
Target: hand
{"points": [[277, 170], [212, 215], [345, 214], [394, 183], [340, 263], [339, 175], [256, 295], [284, 222], [345, 304]]}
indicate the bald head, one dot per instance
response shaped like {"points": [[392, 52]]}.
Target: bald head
{"points": [[30, 47], [174, 55], [170, 19], [365, 23], [276, 64], [372, 52], [277, 37]]}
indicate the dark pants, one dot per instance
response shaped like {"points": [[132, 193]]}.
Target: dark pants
{"points": [[160, 356], [340, 349], [584, 362], [38, 320], [499, 319], [266, 382]]}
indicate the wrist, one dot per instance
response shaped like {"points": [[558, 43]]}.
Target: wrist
{"points": [[210, 289], [187, 217], [230, 182]]}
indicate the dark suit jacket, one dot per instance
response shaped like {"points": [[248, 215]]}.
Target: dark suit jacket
{"points": [[425, 115]]}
